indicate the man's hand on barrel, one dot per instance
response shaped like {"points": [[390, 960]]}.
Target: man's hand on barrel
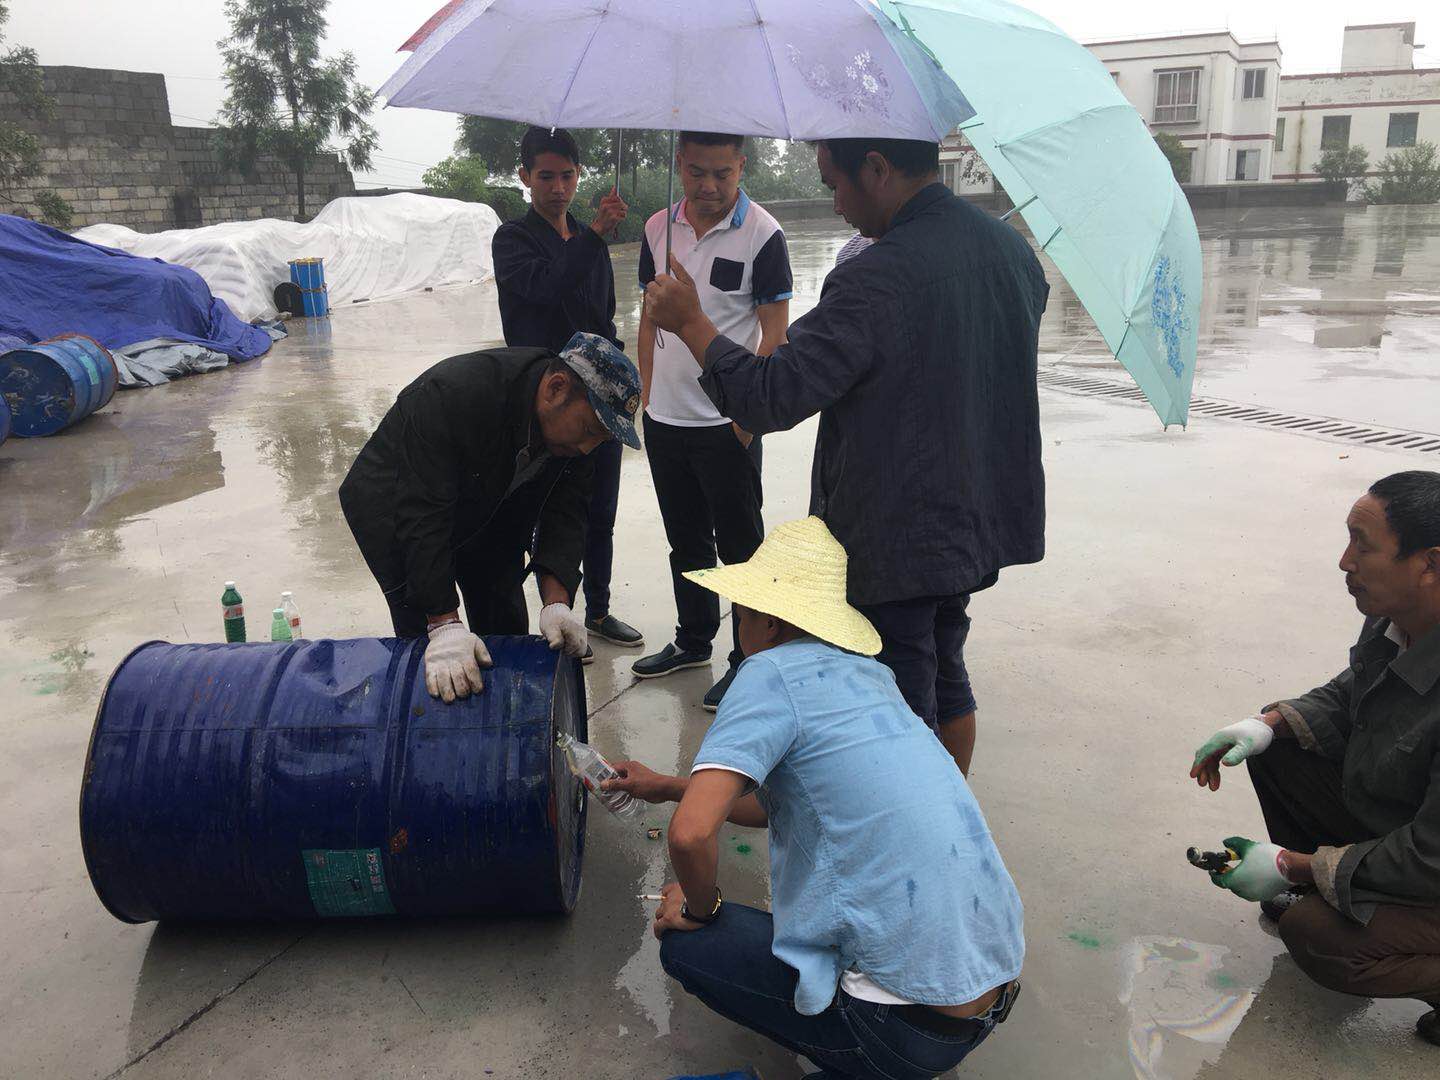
{"points": [[563, 629], [453, 660]]}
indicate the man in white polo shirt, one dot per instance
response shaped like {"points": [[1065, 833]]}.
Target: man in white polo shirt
{"points": [[706, 470]]}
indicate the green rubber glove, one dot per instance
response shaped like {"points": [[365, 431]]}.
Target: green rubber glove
{"points": [[1240, 740], [1257, 875]]}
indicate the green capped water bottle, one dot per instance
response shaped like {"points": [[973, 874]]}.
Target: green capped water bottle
{"points": [[234, 609], [280, 626]]}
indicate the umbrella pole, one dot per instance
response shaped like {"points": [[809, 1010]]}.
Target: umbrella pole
{"points": [[669, 202], [619, 150]]}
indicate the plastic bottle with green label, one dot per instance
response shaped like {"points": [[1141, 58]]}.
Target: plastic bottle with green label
{"points": [[279, 626], [234, 613]]}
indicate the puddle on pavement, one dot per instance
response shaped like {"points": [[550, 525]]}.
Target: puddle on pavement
{"points": [[1183, 1005]]}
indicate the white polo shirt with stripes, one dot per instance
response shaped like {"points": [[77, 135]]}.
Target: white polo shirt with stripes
{"points": [[738, 265]]}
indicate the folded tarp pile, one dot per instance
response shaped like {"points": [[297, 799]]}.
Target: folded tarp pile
{"points": [[52, 283], [374, 247]]}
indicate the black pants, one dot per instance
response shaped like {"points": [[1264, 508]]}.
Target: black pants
{"points": [[1395, 954], [708, 487], [923, 642], [491, 606], [600, 534]]}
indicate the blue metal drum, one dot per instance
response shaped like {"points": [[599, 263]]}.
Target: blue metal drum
{"points": [[4, 420], [318, 778], [309, 274], [56, 383]]}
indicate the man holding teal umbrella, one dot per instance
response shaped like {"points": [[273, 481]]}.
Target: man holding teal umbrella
{"points": [[920, 360]]}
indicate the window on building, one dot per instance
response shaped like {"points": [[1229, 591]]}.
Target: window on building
{"points": [[1280, 134], [1177, 96], [1335, 133], [1254, 83], [1247, 165], [1403, 126]]}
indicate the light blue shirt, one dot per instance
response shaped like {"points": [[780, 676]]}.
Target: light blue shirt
{"points": [[880, 859]]}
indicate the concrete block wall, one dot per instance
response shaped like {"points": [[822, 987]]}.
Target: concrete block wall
{"points": [[110, 150]]}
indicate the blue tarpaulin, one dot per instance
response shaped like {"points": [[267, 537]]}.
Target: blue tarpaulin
{"points": [[51, 283]]}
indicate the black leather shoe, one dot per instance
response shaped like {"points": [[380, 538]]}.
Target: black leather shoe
{"points": [[714, 695], [1428, 1027], [668, 661], [614, 631]]}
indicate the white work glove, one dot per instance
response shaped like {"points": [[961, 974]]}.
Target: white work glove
{"points": [[563, 629], [453, 660], [1257, 875], [1239, 741]]}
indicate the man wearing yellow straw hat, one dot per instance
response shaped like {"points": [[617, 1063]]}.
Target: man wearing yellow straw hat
{"points": [[895, 941]]}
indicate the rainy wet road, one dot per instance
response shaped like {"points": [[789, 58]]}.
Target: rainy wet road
{"points": [[1190, 577]]}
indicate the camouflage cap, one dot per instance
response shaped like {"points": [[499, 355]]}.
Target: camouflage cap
{"points": [[612, 383]]}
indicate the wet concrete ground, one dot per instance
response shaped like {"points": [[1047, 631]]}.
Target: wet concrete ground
{"points": [[1190, 578]]}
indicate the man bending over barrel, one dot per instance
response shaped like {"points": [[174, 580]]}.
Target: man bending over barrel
{"points": [[895, 942], [481, 460]]}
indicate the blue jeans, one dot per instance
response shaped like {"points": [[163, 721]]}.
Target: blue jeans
{"points": [[729, 966]]}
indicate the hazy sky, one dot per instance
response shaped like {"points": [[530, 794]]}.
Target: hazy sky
{"points": [[177, 38]]}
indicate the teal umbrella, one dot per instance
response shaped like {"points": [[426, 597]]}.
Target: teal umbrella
{"points": [[1085, 173]]}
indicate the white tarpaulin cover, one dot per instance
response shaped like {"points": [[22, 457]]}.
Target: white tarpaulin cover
{"points": [[373, 247]]}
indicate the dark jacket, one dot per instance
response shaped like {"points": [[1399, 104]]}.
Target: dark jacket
{"points": [[451, 473], [549, 288], [920, 359], [1379, 719]]}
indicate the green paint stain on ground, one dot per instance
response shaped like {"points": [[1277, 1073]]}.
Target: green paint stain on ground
{"points": [[1085, 941], [743, 849]]}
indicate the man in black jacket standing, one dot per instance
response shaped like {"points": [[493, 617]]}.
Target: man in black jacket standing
{"points": [[481, 459], [554, 278], [920, 359]]}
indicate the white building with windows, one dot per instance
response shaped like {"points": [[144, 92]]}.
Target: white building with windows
{"points": [[1213, 92], [1378, 99], [1243, 121]]}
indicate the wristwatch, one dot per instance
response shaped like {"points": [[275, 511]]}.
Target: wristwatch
{"points": [[686, 913]]}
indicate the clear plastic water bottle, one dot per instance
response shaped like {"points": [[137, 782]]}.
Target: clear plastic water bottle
{"points": [[279, 626], [292, 614], [587, 764], [234, 613]]}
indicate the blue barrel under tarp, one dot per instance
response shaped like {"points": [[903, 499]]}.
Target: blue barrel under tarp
{"points": [[319, 778], [4, 421], [56, 383], [309, 274]]}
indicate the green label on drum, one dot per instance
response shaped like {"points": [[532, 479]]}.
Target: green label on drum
{"points": [[347, 882]]}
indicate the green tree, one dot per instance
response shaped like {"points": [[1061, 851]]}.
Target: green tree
{"points": [[496, 143], [285, 99], [1343, 167], [1177, 153], [20, 80], [1411, 175], [465, 177]]}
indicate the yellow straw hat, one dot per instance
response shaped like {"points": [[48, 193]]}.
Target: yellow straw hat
{"points": [[798, 574]]}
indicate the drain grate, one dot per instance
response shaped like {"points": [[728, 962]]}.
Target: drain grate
{"points": [[1327, 427]]}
